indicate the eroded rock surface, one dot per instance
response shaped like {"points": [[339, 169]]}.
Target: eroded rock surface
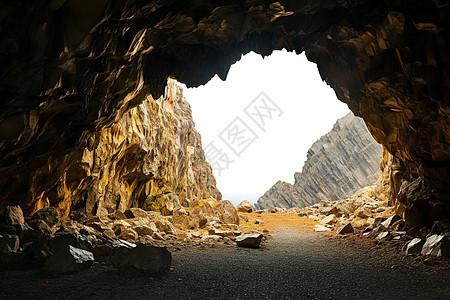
{"points": [[71, 70], [338, 164]]}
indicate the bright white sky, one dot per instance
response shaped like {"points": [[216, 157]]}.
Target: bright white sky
{"points": [[309, 109]]}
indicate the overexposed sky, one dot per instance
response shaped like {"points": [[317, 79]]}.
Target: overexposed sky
{"points": [[258, 125]]}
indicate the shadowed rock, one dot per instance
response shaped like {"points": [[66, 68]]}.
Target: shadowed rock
{"points": [[250, 240]]}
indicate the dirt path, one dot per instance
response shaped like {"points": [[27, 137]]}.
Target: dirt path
{"points": [[293, 264]]}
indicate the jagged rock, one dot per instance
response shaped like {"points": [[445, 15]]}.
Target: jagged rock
{"points": [[226, 212], [414, 246], [181, 218], [245, 207], [338, 164], [135, 212], [331, 219], [109, 234], [321, 228], [68, 260], [38, 230], [9, 243], [14, 215], [250, 240], [49, 215], [390, 221], [62, 241], [383, 235], [154, 260], [345, 229], [164, 203], [165, 226], [128, 234], [223, 233], [146, 229], [436, 245], [119, 215]]}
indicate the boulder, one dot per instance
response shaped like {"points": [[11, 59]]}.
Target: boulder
{"points": [[14, 215], [49, 215], [9, 243], [223, 233], [135, 212], [329, 220], [436, 245], [363, 212], [245, 207], [390, 221], [68, 260], [383, 235], [164, 203], [156, 261], [165, 226], [345, 229], [414, 246], [321, 228], [38, 230], [251, 240], [180, 218], [62, 241], [146, 229], [226, 212], [128, 234], [119, 215]]}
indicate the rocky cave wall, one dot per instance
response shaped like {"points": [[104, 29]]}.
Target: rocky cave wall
{"points": [[72, 68]]}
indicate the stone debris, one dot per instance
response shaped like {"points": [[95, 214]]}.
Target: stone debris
{"points": [[245, 207], [414, 246], [68, 260], [321, 228], [251, 240], [14, 215], [345, 229], [436, 245], [49, 215]]}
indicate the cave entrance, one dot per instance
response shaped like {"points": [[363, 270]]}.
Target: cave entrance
{"points": [[278, 104]]}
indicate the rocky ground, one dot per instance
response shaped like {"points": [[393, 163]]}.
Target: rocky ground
{"points": [[293, 263], [353, 248]]}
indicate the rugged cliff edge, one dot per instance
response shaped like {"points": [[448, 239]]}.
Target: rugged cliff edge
{"points": [[151, 150], [338, 164]]}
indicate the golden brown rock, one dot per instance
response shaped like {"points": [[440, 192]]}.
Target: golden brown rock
{"points": [[72, 71]]}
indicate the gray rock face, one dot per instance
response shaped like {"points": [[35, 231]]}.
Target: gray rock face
{"points": [[251, 240], [338, 164]]}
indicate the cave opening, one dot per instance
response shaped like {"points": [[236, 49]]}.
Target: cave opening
{"points": [[98, 164], [258, 125]]}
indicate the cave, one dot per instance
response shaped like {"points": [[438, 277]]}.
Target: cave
{"points": [[70, 70]]}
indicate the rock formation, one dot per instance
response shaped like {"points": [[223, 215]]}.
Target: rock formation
{"points": [[71, 69], [338, 164], [152, 151]]}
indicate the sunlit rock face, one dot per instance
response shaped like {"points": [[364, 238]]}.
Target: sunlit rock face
{"points": [[338, 164], [153, 149], [71, 68]]}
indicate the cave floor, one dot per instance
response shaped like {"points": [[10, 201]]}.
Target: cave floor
{"points": [[294, 263]]}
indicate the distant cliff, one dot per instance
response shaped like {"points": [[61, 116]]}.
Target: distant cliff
{"points": [[337, 165]]}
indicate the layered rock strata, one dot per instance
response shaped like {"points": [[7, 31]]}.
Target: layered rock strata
{"points": [[151, 152], [338, 164], [71, 68]]}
